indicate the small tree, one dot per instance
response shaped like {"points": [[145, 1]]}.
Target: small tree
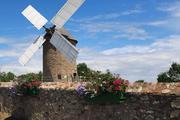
{"points": [[172, 75], [31, 76], [83, 71], [88, 74], [6, 77]]}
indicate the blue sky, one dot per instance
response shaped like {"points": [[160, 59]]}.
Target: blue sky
{"points": [[136, 38]]}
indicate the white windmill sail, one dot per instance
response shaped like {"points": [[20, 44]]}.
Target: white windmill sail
{"points": [[63, 15], [64, 46], [31, 50], [34, 17]]}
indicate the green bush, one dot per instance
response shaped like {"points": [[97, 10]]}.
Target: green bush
{"points": [[172, 75], [6, 77], [87, 74]]}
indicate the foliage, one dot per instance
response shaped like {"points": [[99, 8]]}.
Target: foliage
{"points": [[139, 81], [83, 71], [6, 77], [172, 75], [107, 91], [26, 87], [31, 76], [87, 74]]}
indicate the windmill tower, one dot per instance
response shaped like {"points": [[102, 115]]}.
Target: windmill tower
{"points": [[59, 51], [55, 66]]}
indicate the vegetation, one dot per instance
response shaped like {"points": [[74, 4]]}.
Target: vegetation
{"points": [[31, 76], [106, 92], [87, 74], [6, 77], [172, 75]]}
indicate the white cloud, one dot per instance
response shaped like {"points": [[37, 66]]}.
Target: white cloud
{"points": [[35, 65], [171, 20], [133, 33], [135, 62], [14, 51], [108, 16], [5, 40], [119, 29], [157, 23], [130, 12], [172, 8]]}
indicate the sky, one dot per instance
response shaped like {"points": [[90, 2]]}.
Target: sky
{"points": [[137, 39]]}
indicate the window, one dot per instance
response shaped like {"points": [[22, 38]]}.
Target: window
{"points": [[59, 76]]}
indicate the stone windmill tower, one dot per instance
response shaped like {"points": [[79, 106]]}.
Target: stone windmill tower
{"points": [[59, 51], [55, 66]]}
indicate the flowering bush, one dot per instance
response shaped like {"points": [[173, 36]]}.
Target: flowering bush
{"points": [[26, 87], [107, 91]]}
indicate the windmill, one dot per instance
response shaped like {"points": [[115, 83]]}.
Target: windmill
{"points": [[59, 51]]}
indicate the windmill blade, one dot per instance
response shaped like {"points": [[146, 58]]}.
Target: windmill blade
{"points": [[34, 17], [31, 50], [63, 15], [64, 46]]}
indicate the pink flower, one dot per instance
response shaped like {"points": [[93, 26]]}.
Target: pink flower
{"points": [[117, 82], [126, 82], [117, 88]]}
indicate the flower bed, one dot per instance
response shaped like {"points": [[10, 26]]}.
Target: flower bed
{"points": [[26, 87], [106, 92]]}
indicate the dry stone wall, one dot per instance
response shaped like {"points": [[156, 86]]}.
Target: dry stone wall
{"points": [[59, 101]]}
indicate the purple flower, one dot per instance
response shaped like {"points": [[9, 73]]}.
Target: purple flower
{"points": [[13, 90], [81, 90]]}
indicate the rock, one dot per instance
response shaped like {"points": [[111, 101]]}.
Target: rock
{"points": [[86, 108], [175, 104], [175, 114], [155, 102], [166, 91], [149, 117], [144, 98], [150, 112]]}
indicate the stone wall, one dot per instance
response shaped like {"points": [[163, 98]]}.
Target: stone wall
{"points": [[59, 101]]}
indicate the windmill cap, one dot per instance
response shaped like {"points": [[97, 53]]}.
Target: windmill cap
{"points": [[67, 34]]}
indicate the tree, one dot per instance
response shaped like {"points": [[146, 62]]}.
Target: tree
{"points": [[10, 76], [6, 77], [83, 71], [87, 74], [172, 75], [31, 76]]}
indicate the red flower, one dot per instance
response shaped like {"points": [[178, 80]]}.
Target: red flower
{"points": [[117, 88], [117, 82], [36, 83], [28, 85]]}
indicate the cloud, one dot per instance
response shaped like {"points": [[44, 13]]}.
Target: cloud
{"points": [[133, 33], [107, 16], [130, 12], [117, 30], [34, 65], [172, 9], [135, 62], [9, 57], [171, 17], [5, 41], [157, 23]]}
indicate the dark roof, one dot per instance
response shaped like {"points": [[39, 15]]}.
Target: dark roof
{"points": [[65, 32]]}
